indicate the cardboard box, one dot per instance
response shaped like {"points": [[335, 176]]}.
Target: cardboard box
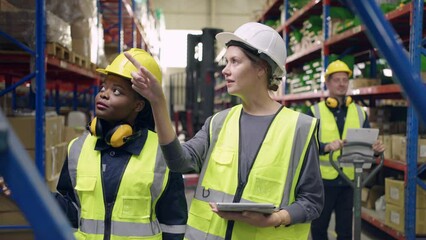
{"points": [[363, 82], [54, 159], [387, 142], [399, 148], [22, 27], [395, 218], [52, 183], [7, 205], [13, 218], [24, 234], [6, 6], [24, 128], [395, 194], [370, 195], [72, 132], [379, 114], [10, 215]]}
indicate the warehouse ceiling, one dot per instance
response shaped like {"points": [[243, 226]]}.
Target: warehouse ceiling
{"points": [[198, 14]]}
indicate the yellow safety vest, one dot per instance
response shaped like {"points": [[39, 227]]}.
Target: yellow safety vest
{"points": [[329, 132], [272, 178], [133, 214]]}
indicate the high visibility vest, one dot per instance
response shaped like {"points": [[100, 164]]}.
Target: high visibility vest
{"points": [[329, 132], [272, 178], [133, 214]]}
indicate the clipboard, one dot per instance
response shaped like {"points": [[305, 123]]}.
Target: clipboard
{"points": [[266, 208], [364, 135]]}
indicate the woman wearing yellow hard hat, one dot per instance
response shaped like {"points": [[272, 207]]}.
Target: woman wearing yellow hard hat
{"points": [[115, 183]]}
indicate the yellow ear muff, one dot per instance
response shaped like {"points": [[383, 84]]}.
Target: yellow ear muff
{"points": [[332, 102], [94, 128], [348, 101], [118, 138]]}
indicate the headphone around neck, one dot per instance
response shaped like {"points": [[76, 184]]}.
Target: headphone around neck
{"points": [[332, 102], [116, 136]]}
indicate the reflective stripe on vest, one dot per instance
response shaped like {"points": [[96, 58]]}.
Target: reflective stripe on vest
{"points": [[282, 152], [125, 229], [133, 213], [329, 132]]}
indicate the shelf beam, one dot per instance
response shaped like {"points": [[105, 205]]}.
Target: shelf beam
{"points": [[382, 35]]}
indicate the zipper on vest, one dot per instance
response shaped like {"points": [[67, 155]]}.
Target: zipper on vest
{"points": [[109, 207], [108, 216], [243, 182], [237, 198]]}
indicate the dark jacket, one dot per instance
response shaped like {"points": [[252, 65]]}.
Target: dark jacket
{"points": [[171, 209]]}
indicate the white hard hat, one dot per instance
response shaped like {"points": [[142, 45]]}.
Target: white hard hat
{"points": [[261, 37]]}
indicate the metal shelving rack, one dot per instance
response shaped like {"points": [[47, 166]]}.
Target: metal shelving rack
{"points": [[376, 29], [121, 25], [27, 182], [29, 190]]}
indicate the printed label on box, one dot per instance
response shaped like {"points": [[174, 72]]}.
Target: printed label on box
{"points": [[394, 217], [422, 151], [394, 193]]}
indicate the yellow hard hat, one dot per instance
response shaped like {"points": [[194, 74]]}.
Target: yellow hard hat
{"points": [[123, 67], [337, 66]]}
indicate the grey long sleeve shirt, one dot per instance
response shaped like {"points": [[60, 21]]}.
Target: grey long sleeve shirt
{"points": [[190, 156]]}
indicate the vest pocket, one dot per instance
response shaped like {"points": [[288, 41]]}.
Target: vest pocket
{"points": [[85, 184], [200, 216], [135, 207], [264, 189], [223, 157], [85, 187]]}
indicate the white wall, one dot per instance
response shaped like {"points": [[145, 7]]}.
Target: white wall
{"points": [[198, 14]]}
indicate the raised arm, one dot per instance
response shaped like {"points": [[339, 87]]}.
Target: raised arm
{"points": [[149, 87]]}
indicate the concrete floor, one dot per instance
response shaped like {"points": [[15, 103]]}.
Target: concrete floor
{"points": [[369, 232]]}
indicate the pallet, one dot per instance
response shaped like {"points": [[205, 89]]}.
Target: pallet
{"points": [[79, 60], [59, 51], [93, 66]]}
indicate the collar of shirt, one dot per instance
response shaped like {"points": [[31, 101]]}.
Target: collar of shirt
{"points": [[133, 147]]}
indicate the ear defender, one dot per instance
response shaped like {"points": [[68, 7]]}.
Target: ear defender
{"points": [[348, 101], [334, 103], [95, 127], [116, 137]]}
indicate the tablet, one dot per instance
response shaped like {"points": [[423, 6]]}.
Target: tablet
{"points": [[239, 207]]}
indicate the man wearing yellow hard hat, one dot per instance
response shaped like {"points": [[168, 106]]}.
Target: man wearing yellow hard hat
{"points": [[115, 183], [337, 113]]}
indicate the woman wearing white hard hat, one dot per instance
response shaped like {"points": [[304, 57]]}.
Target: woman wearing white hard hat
{"points": [[255, 152]]}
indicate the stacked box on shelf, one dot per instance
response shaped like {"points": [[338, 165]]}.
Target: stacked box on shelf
{"points": [[295, 41], [341, 18], [296, 5], [55, 147], [86, 38], [306, 79], [312, 31], [316, 66], [20, 24], [11, 215], [395, 206], [399, 148]]}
